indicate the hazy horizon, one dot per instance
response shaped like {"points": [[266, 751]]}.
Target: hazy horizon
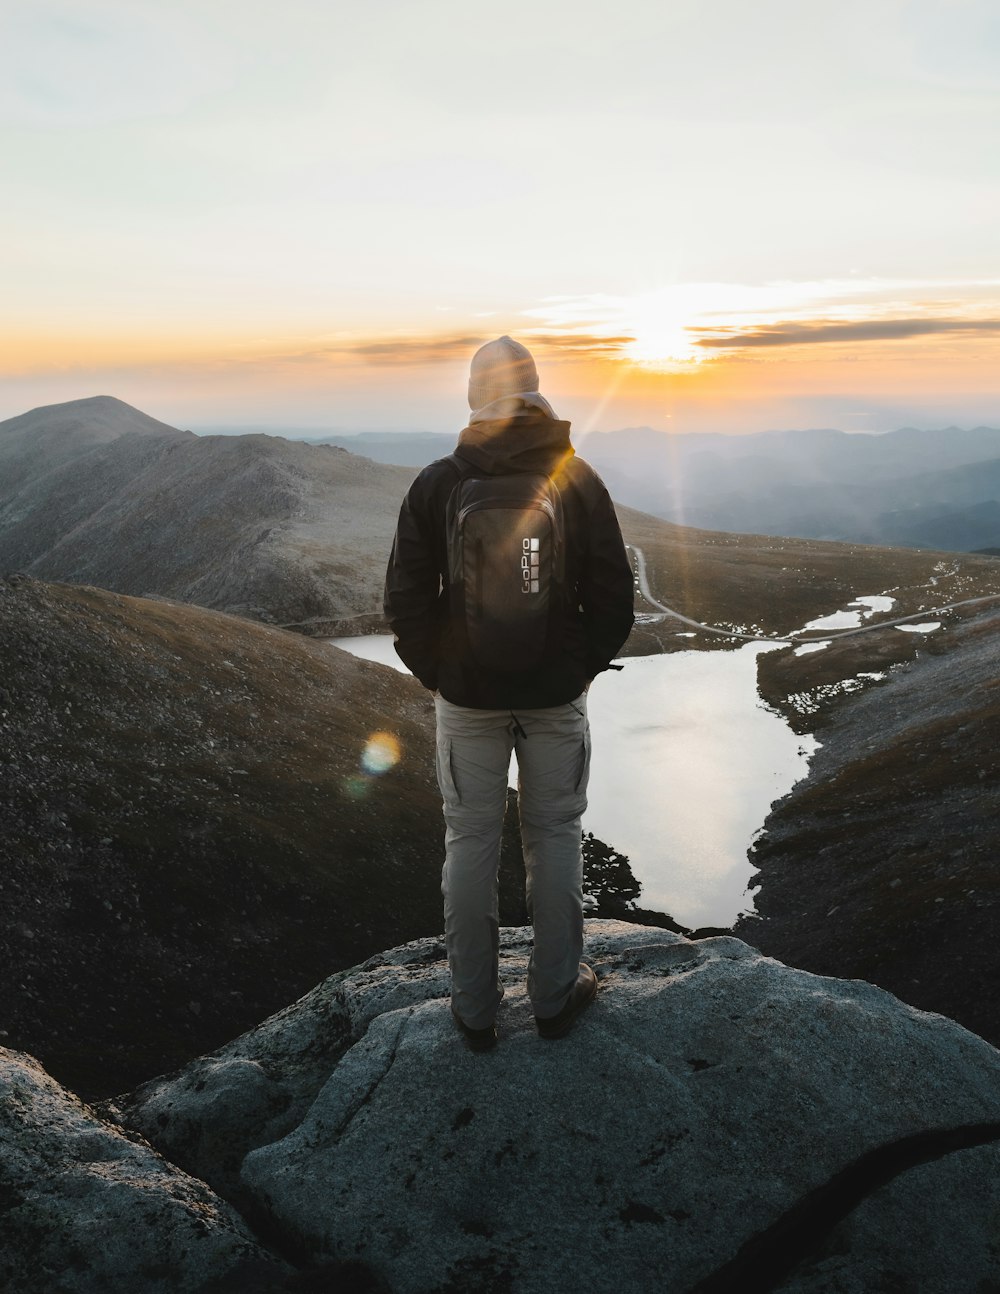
{"points": [[721, 218], [321, 430]]}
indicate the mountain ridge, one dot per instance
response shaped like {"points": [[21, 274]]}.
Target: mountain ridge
{"points": [[297, 534], [269, 528]]}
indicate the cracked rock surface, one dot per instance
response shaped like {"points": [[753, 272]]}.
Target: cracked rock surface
{"points": [[86, 1207], [704, 1094]]}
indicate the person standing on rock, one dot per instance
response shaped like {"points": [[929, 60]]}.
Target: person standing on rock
{"points": [[508, 590]]}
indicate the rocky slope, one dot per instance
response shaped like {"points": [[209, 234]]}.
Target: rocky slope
{"points": [[95, 492], [47, 439], [724, 1123], [715, 1122], [882, 863], [193, 827]]}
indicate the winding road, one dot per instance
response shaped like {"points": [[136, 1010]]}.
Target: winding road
{"points": [[818, 635]]}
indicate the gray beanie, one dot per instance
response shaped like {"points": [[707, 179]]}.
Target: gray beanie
{"points": [[501, 367]]}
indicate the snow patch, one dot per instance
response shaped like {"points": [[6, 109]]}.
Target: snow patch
{"points": [[807, 648], [861, 608], [810, 702]]}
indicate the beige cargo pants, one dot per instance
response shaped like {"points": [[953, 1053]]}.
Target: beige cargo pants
{"points": [[553, 758]]}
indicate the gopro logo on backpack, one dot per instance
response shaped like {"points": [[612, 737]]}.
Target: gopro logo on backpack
{"points": [[529, 565]]}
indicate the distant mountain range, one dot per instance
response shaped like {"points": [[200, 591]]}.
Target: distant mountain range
{"points": [[96, 492], [915, 488], [920, 489], [408, 448]]}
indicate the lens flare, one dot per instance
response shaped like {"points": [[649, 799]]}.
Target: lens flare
{"points": [[382, 752]]}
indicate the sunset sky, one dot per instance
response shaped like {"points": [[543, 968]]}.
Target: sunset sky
{"points": [[699, 216]]}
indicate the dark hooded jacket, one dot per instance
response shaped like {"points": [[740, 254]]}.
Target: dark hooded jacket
{"points": [[598, 618]]}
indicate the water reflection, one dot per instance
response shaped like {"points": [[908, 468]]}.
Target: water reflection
{"points": [[686, 763]]}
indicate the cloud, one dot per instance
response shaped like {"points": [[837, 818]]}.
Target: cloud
{"points": [[808, 334], [445, 349], [411, 350], [583, 344]]}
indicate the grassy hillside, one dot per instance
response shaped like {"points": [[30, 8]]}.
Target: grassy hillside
{"points": [[188, 835]]}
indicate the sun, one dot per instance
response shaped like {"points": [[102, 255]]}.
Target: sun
{"points": [[661, 324], [660, 343], [669, 327]]}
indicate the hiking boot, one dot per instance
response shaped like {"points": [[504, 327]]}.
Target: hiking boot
{"points": [[476, 1039], [582, 994]]}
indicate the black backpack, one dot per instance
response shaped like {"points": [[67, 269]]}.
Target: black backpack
{"points": [[507, 567]]}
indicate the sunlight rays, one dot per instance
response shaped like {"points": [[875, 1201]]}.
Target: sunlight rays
{"points": [[678, 327]]}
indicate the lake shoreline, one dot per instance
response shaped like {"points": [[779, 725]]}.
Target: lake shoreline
{"points": [[881, 864], [686, 762]]}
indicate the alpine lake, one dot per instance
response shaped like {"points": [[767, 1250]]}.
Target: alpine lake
{"points": [[686, 763]]}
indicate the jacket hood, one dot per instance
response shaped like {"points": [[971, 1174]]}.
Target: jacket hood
{"points": [[526, 442], [506, 406]]}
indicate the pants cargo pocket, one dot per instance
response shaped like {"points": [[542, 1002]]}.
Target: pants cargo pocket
{"points": [[584, 766], [446, 774]]}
